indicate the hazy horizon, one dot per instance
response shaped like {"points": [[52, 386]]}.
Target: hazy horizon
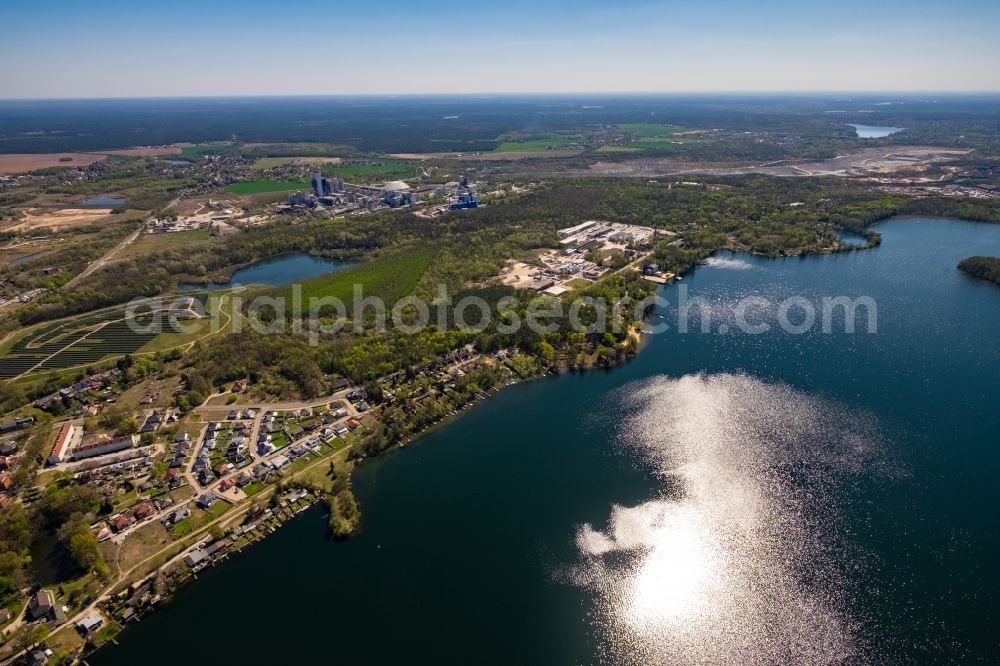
{"points": [[114, 49], [595, 94]]}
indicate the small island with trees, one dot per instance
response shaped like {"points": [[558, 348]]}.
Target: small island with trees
{"points": [[986, 268]]}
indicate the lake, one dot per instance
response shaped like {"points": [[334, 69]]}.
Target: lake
{"points": [[105, 201], [274, 272], [875, 131], [724, 498]]}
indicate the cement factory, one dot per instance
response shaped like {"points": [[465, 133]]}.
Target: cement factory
{"points": [[339, 198]]}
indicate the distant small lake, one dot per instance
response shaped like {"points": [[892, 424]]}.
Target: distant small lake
{"points": [[178, 162], [274, 272], [28, 257], [110, 202], [875, 131]]}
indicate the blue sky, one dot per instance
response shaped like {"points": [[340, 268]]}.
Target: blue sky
{"points": [[111, 48]]}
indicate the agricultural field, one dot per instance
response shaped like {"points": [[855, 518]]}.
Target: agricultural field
{"points": [[656, 136], [272, 162], [389, 278], [145, 151], [657, 143], [536, 144], [16, 163], [617, 149], [205, 149], [264, 186]]}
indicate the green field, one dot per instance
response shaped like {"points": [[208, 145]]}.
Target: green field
{"points": [[617, 149], [198, 519], [650, 129], [655, 143], [205, 149], [262, 186], [389, 278], [536, 144]]}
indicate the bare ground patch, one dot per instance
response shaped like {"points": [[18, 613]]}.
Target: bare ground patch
{"points": [[24, 163], [59, 218]]}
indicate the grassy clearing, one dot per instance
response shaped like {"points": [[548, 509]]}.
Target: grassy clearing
{"points": [[263, 186], [375, 171], [140, 544], [150, 243], [536, 144], [647, 130], [617, 149], [219, 309], [662, 144], [389, 278], [199, 519], [578, 283], [205, 149]]}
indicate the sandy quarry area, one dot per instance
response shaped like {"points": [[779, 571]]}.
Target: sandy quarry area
{"points": [[59, 218], [23, 163], [865, 162]]}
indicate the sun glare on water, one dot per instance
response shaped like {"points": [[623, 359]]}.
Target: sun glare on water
{"points": [[674, 579], [732, 564]]}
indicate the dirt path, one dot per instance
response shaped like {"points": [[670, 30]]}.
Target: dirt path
{"points": [[103, 260]]}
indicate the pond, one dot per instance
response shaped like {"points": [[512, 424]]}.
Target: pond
{"points": [[273, 272], [24, 258], [875, 131], [103, 201]]}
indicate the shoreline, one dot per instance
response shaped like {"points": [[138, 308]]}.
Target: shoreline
{"points": [[272, 489]]}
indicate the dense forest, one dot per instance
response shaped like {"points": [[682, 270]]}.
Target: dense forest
{"points": [[800, 126]]}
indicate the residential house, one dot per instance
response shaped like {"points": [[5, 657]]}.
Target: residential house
{"points": [[179, 515], [143, 511], [122, 522], [41, 605], [195, 557], [206, 500], [89, 623]]}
